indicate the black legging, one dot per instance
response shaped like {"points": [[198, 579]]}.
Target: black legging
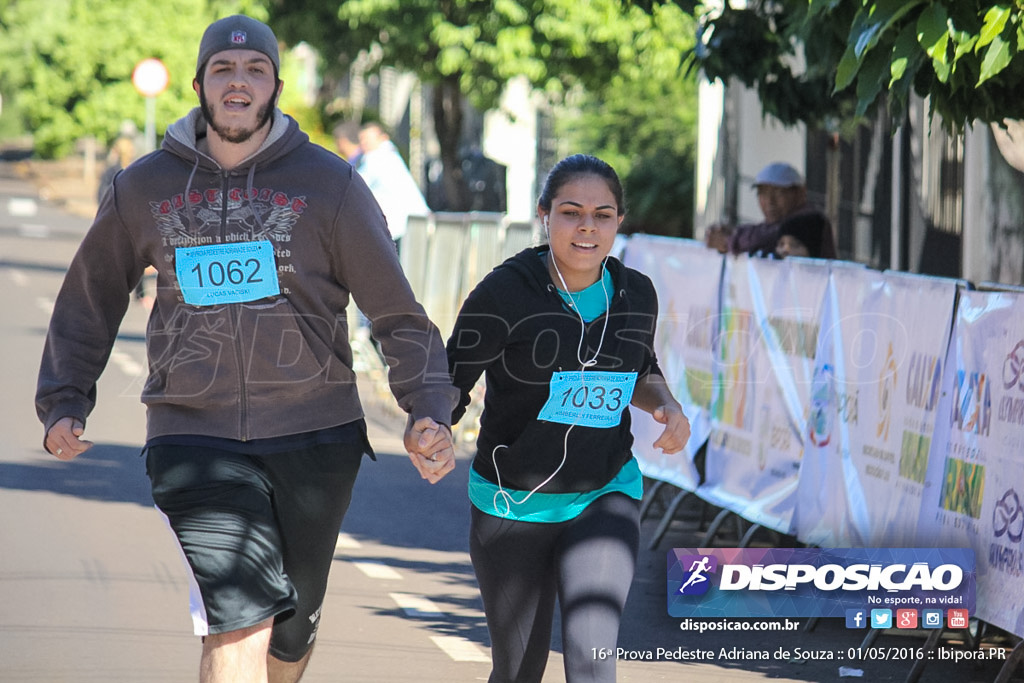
{"points": [[588, 562]]}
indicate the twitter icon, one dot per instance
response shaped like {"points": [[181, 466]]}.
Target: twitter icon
{"points": [[881, 618]]}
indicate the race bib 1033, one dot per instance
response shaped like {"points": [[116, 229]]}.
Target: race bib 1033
{"points": [[588, 398]]}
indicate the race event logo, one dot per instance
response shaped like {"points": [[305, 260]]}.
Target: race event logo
{"points": [[1013, 366], [1011, 405], [818, 582], [1008, 517], [1005, 553], [819, 426]]}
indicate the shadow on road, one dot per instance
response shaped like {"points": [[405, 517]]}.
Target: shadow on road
{"points": [[390, 489], [105, 473], [449, 623]]}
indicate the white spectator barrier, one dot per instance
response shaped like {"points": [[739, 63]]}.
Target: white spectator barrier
{"points": [[414, 252], [686, 276], [894, 432], [767, 335], [974, 484], [873, 408], [444, 255]]}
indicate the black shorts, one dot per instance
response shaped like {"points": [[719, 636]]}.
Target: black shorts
{"points": [[257, 533]]}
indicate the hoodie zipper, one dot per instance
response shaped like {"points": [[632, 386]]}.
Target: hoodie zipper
{"points": [[235, 311]]}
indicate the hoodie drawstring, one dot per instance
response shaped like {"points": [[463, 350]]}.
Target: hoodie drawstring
{"points": [[249, 196], [192, 227]]}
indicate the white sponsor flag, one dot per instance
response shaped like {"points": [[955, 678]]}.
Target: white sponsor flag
{"points": [[974, 486], [767, 337], [686, 275], [873, 407]]}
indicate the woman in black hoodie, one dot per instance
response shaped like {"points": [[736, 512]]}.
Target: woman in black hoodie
{"points": [[564, 335]]}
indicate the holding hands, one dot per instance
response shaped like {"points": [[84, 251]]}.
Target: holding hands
{"points": [[430, 448]]}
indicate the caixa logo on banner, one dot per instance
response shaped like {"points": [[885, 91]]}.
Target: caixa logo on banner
{"points": [[806, 582]]}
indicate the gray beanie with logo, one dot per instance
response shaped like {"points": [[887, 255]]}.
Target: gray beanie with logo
{"points": [[237, 32]]}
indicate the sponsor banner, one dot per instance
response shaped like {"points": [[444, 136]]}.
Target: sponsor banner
{"points": [[686, 275], [818, 582], [974, 486], [768, 334], [873, 407]]}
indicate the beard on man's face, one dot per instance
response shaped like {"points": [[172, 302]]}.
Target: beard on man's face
{"points": [[235, 135]]}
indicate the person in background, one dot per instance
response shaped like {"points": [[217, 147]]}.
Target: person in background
{"points": [[260, 238], [781, 193], [346, 139], [564, 335], [122, 152], [802, 235], [387, 176]]}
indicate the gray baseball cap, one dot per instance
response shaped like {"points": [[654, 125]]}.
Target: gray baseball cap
{"points": [[779, 174], [237, 32]]}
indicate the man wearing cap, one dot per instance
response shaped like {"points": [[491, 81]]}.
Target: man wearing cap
{"points": [[255, 432], [781, 193]]}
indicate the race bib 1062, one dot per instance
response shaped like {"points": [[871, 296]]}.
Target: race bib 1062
{"points": [[226, 273], [589, 398]]}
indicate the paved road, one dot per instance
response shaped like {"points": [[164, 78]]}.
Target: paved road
{"points": [[91, 587]]}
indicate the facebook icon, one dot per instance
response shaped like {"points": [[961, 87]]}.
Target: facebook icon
{"points": [[856, 618]]}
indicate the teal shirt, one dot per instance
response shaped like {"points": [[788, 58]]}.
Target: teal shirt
{"points": [[592, 301], [549, 507], [523, 506]]}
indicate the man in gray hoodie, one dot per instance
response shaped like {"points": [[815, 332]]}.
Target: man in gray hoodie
{"points": [[255, 431]]}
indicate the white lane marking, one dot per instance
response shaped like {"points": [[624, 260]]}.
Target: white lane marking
{"points": [[376, 570], [460, 649], [346, 542], [20, 279], [457, 648], [34, 230], [416, 605], [22, 206]]}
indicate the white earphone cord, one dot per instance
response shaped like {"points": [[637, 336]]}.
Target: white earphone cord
{"points": [[502, 493]]}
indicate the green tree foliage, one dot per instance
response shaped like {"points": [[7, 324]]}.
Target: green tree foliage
{"points": [[643, 121], [469, 49], [69, 67], [966, 57]]}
